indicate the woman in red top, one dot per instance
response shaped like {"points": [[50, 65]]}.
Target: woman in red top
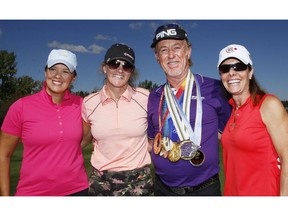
{"points": [[255, 140]]}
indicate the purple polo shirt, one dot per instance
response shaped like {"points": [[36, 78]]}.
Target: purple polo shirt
{"points": [[216, 112]]}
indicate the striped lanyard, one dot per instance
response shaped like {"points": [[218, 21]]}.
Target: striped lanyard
{"points": [[166, 112], [181, 115]]}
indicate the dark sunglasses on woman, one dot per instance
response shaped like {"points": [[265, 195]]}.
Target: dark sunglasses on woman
{"points": [[115, 64], [239, 66]]}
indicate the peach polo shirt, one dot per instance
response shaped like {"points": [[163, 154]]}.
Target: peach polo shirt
{"points": [[119, 129]]}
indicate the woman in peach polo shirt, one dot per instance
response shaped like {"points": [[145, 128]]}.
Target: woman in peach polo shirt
{"points": [[116, 116]]}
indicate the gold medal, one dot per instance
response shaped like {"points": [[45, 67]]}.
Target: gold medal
{"points": [[157, 143], [198, 159], [175, 153]]}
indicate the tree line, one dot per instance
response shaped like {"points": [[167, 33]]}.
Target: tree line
{"points": [[13, 88]]}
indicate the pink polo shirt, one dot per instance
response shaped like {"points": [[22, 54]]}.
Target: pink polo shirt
{"points": [[53, 163], [119, 129]]}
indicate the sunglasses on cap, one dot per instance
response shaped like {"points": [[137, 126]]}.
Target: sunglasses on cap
{"points": [[239, 66], [115, 64]]}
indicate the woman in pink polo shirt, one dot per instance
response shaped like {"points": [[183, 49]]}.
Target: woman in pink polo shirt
{"points": [[49, 125], [117, 116]]}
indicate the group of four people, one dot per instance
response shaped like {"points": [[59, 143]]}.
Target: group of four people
{"points": [[176, 127]]}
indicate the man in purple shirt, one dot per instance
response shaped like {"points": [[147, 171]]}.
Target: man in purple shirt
{"points": [[186, 117]]}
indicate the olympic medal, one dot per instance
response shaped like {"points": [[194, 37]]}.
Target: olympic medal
{"points": [[198, 159], [157, 143], [188, 149], [174, 154]]}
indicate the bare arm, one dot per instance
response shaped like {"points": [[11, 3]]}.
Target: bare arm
{"points": [[8, 144], [219, 135], [150, 144], [87, 136], [275, 117]]}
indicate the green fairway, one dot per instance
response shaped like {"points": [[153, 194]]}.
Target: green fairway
{"points": [[17, 157]]}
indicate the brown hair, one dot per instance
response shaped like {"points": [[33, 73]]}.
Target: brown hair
{"points": [[74, 72], [256, 91]]}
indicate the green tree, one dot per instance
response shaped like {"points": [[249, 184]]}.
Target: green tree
{"points": [[11, 87], [148, 85], [25, 85], [82, 93], [7, 74]]}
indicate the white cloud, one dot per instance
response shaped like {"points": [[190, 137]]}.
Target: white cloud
{"points": [[105, 38], [71, 47], [154, 25], [137, 25], [95, 49], [192, 25]]}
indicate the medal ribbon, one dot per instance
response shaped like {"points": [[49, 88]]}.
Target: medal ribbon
{"points": [[180, 117], [178, 95]]}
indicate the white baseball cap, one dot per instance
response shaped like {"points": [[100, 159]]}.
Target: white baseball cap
{"points": [[62, 56], [234, 51]]}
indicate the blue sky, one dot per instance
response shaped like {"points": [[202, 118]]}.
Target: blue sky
{"points": [[32, 40], [266, 39]]}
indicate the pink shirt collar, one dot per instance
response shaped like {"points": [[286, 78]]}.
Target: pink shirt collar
{"points": [[127, 95], [49, 97]]}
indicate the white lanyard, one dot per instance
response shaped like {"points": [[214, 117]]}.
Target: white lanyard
{"points": [[180, 118]]}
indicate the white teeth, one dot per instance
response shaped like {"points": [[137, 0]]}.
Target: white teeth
{"points": [[173, 63], [233, 81], [57, 83], [118, 76]]}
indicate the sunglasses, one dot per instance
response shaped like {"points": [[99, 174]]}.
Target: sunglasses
{"points": [[225, 68], [115, 64]]}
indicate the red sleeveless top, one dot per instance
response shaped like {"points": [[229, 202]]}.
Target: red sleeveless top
{"points": [[249, 157]]}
